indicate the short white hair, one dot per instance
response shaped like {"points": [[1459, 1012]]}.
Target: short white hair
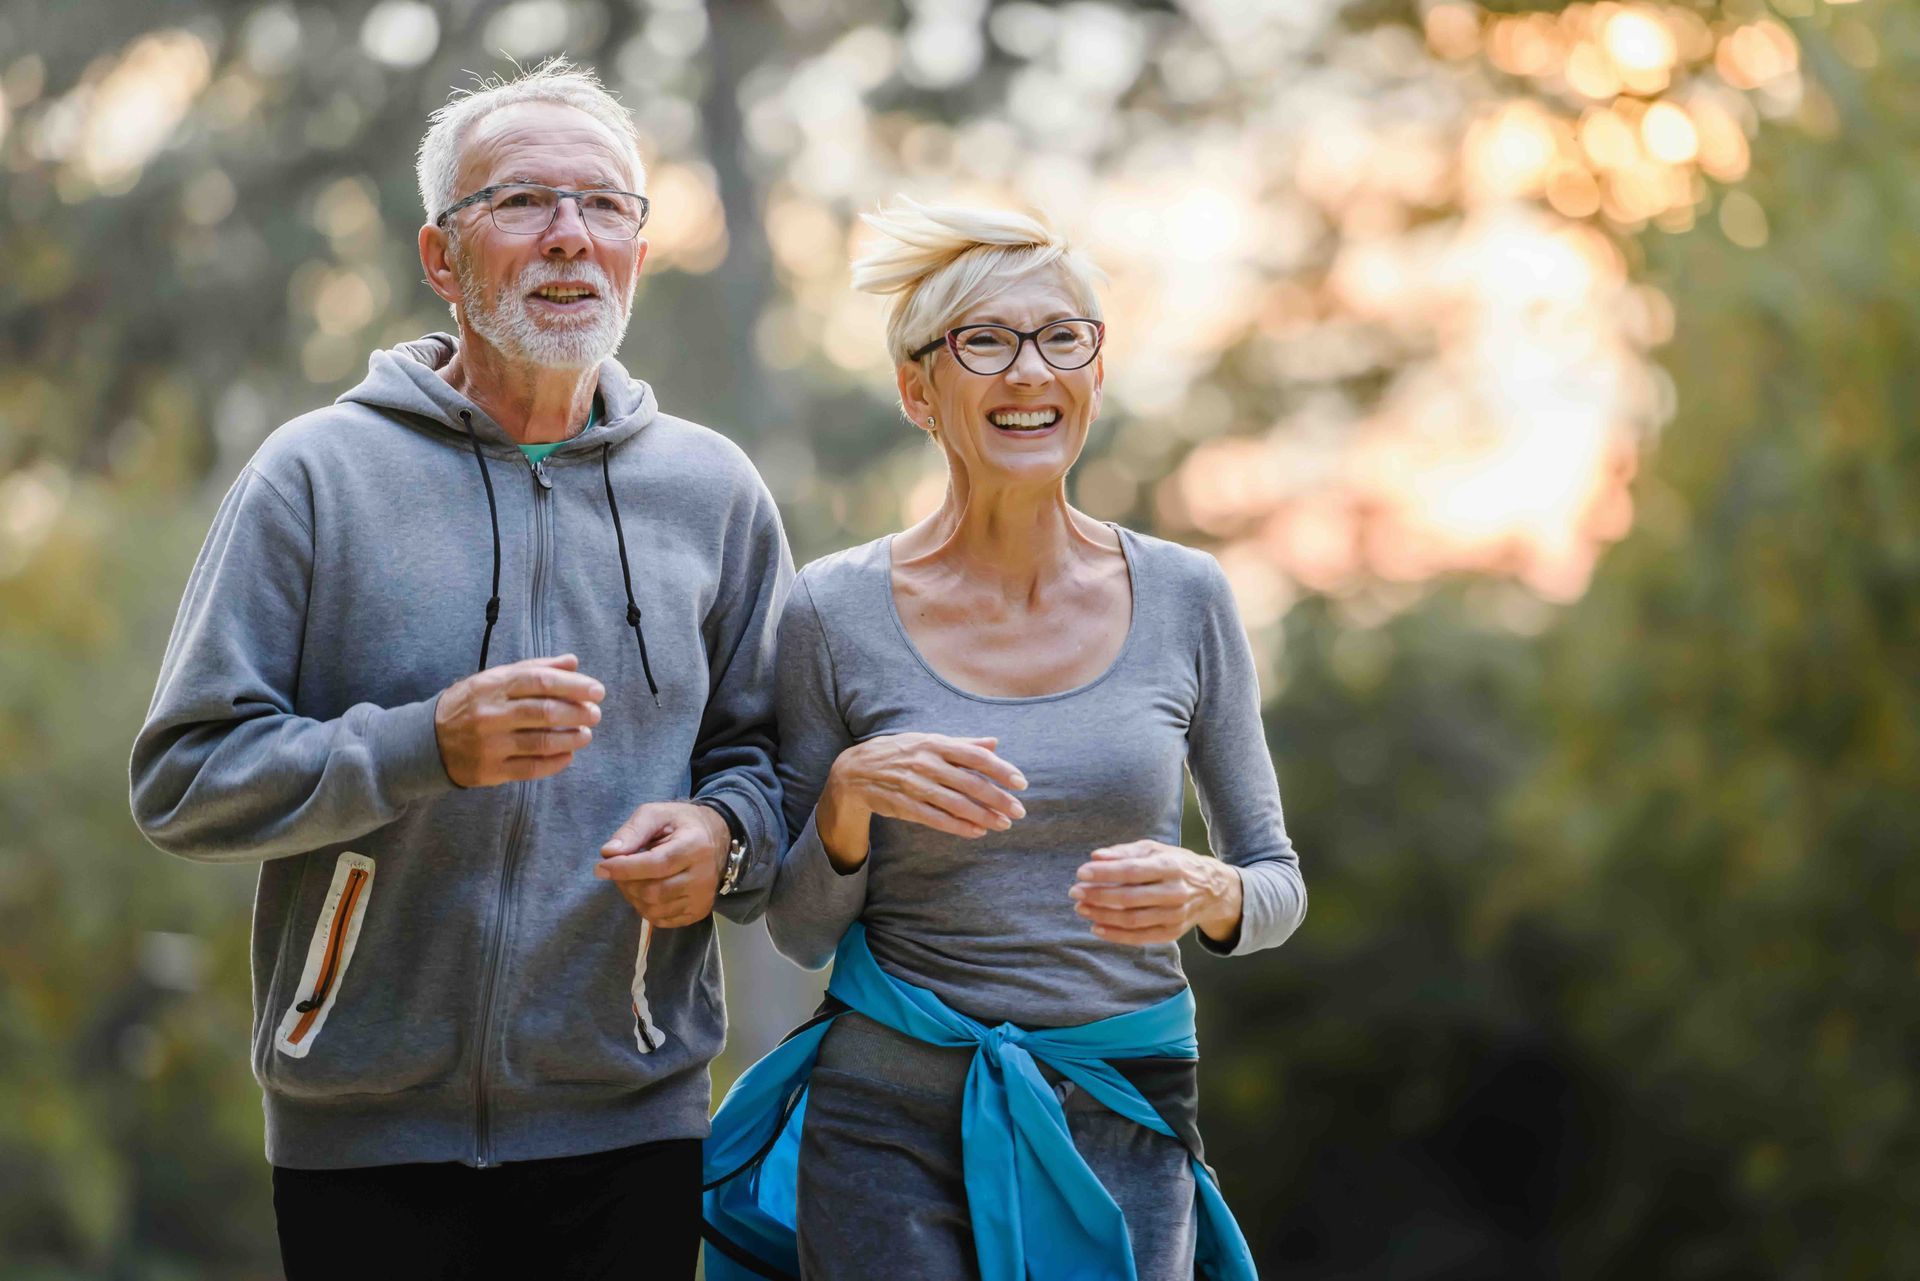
{"points": [[555, 80], [940, 261]]}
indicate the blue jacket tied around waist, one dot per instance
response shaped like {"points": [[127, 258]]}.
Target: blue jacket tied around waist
{"points": [[1037, 1210]]}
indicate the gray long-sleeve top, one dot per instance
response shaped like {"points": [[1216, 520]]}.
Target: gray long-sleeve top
{"points": [[986, 924]]}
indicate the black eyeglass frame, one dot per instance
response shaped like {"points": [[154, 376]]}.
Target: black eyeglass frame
{"points": [[951, 340], [646, 207]]}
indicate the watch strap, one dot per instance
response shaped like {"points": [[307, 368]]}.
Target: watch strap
{"points": [[736, 830], [736, 844]]}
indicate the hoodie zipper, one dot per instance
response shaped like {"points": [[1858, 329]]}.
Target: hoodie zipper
{"points": [[482, 1119]]}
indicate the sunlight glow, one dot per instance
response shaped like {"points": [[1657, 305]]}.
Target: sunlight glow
{"points": [[1422, 262], [1669, 134], [31, 500], [1757, 54], [1511, 153], [691, 235], [400, 33], [133, 109], [1642, 47]]}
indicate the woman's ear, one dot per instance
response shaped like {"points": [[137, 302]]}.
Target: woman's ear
{"points": [[1099, 382], [916, 396]]}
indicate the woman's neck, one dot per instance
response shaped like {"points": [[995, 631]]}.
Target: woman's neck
{"points": [[1017, 542]]}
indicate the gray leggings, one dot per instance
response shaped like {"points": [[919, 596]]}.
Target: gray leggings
{"points": [[882, 1192]]}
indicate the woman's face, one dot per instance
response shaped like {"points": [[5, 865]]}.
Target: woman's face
{"points": [[1025, 425]]}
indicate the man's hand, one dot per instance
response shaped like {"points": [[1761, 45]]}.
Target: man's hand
{"points": [[666, 860], [518, 721], [1145, 892]]}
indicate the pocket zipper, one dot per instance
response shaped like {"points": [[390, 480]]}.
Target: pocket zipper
{"points": [[336, 942]]}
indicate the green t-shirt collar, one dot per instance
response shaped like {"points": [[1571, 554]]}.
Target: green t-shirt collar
{"points": [[536, 453]]}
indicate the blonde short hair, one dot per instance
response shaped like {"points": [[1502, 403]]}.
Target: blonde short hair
{"points": [[940, 261], [555, 80]]}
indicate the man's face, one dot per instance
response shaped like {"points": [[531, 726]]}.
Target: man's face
{"points": [[506, 280]]}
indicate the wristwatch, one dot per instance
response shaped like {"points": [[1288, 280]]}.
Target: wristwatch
{"points": [[736, 844]]}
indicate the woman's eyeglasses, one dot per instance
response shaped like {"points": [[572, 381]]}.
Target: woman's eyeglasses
{"points": [[993, 349]]}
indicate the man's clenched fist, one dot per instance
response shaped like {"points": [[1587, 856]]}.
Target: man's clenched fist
{"points": [[521, 720]]}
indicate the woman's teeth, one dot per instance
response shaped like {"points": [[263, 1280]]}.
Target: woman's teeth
{"points": [[1029, 421]]}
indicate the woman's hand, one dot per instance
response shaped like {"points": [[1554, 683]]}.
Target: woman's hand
{"points": [[1145, 892], [953, 785]]}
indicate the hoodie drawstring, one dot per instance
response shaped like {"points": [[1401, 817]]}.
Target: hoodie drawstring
{"points": [[626, 572], [493, 514], [619, 534]]}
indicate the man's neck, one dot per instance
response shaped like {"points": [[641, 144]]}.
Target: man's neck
{"points": [[534, 404]]}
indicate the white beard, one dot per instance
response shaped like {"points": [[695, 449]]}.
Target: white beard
{"points": [[509, 324]]}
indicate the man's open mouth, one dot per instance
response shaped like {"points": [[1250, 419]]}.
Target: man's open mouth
{"points": [[564, 295]]}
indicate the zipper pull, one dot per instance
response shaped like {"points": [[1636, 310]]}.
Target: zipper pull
{"points": [[540, 474]]}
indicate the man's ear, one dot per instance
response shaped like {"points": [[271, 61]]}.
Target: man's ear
{"points": [[437, 260]]}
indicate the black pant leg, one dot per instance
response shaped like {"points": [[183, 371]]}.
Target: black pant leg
{"points": [[421, 1222], [632, 1214]]}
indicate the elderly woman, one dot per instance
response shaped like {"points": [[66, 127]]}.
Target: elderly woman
{"points": [[983, 723]]}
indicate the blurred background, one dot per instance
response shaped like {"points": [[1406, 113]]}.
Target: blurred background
{"points": [[1544, 376]]}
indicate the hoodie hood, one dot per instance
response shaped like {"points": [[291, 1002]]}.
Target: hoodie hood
{"points": [[406, 379]]}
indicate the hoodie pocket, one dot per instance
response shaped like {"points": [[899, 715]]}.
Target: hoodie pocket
{"points": [[645, 1035], [335, 935]]}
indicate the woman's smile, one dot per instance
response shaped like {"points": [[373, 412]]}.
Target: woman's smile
{"points": [[1027, 421]]}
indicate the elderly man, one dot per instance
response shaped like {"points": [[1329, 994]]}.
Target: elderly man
{"points": [[445, 635]]}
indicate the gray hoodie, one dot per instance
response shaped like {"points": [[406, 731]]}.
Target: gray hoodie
{"points": [[437, 975]]}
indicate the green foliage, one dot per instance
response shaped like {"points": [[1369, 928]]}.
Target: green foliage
{"points": [[1608, 977], [1728, 819], [129, 1126]]}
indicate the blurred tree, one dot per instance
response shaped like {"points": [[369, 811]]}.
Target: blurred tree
{"points": [[1726, 820], [1618, 992]]}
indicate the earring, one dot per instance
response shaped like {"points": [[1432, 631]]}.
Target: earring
{"points": [[929, 420]]}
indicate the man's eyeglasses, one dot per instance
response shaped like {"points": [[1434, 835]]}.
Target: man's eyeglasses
{"points": [[992, 349], [528, 209]]}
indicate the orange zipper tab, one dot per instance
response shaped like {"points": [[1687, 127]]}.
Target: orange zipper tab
{"points": [[336, 942]]}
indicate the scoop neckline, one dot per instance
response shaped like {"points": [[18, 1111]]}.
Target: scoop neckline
{"points": [[1126, 644]]}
